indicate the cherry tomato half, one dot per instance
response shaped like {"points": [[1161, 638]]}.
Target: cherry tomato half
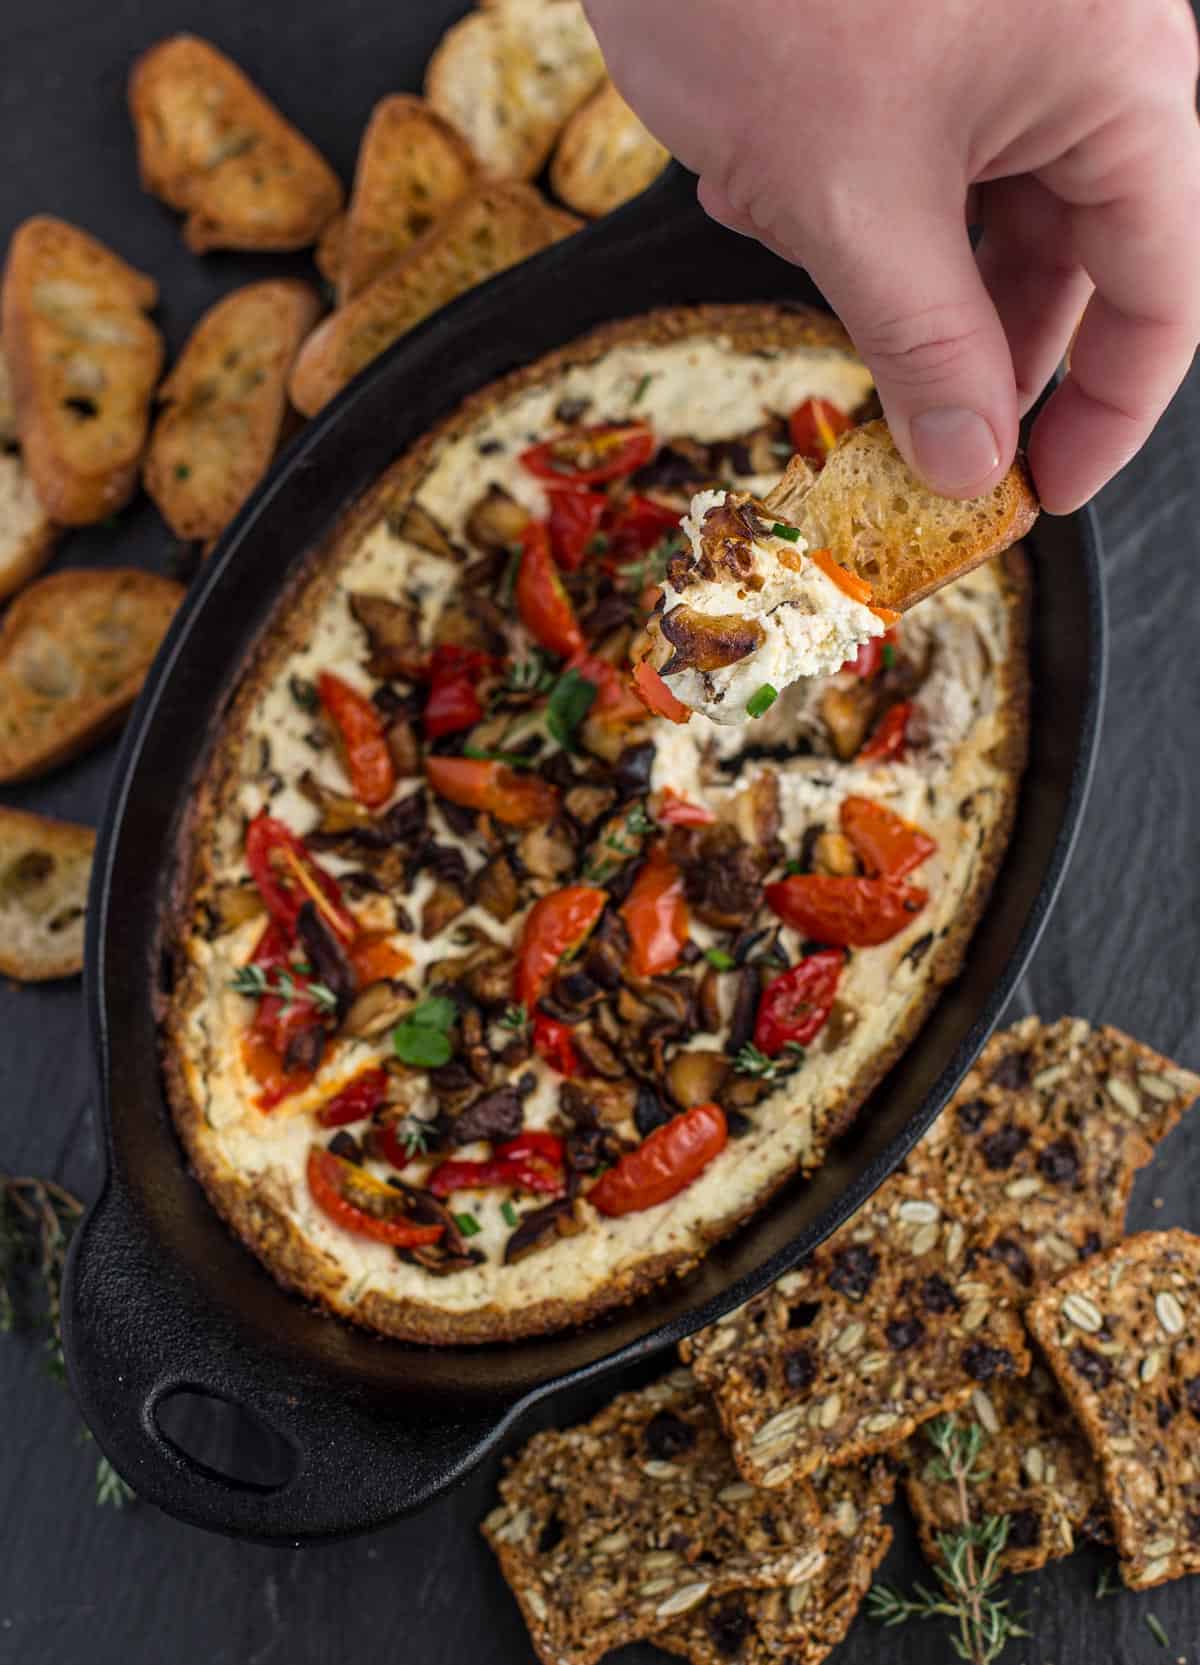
{"points": [[476, 783], [888, 846], [363, 739], [358, 1202], [814, 427], [846, 913], [590, 456], [795, 1006], [553, 927], [665, 1162], [656, 915]]}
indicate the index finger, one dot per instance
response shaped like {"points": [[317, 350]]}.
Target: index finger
{"points": [[1137, 234]]}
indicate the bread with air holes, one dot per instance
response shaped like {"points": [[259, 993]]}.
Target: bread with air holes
{"points": [[45, 866]]}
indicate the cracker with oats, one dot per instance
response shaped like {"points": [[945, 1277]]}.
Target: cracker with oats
{"points": [[803, 1624], [609, 1530], [886, 1325], [1121, 1334], [1040, 1472], [1042, 1142]]}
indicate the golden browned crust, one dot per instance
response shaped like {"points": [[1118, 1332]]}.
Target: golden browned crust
{"points": [[258, 1217]]}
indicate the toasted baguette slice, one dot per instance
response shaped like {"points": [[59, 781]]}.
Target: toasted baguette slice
{"points": [[492, 227], [74, 651], [605, 155], [509, 77], [214, 147], [45, 866], [877, 519], [412, 166], [225, 404], [84, 360], [27, 535]]}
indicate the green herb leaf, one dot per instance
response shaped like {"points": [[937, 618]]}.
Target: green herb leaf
{"points": [[515, 1018], [414, 1136], [793, 868], [111, 1491], [182, 470], [250, 980], [761, 700], [532, 675], [1107, 1584], [791, 533], [488, 754], [1156, 1630], [508, 1213], [889, 656], [640, 390], [597, 545], [304, 693], [468, 1225], [322, 996], [421, 1038], [719, 959], [508, 581], [569, 703]]}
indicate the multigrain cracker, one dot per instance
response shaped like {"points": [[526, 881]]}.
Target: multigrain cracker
{"points": [[801, 1625], [1121, 1335], [608, 1531], [888, 1324], [1042, 1142], [1038, 1470]]}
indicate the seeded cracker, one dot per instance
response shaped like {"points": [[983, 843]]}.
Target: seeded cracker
{"points": [[1121, 1336], [1040, 1473], [884, 1327], [1043, 1140], [609, 1530], [800, 1625]]}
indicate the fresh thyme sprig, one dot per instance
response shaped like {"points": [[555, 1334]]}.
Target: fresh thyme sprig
{"points": [[969, 1569], [255, 983], [636, 825], [750, 1061], [37, 1221], [515, 1018]]}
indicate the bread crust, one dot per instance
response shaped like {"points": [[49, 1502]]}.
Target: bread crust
{"points": [[253, 1212], [604, 155]]}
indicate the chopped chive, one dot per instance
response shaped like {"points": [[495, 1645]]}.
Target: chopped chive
{"points": [[1156, 1630], [761, 700], [719, 959], [791, 533], [488, 754], [889, 656], [182, 470], [641, 387], [508, 1213], [793, 868], [468, 1225]]}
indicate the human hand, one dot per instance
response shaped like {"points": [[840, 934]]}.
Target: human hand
{"points": [[857, 138]]}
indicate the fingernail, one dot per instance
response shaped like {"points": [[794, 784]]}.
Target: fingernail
{"points": [[955, 448]]}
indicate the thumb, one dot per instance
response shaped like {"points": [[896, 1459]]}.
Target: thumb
{"points": [[917, 311]]}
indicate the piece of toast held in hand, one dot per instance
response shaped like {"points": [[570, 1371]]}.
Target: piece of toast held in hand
{"points": [[27, 534], [605, 156], [84, 359], [225, 402], [412, 166], [489, 229], [878, 520], [45, 866], [214, 147], [508, 78], [74, 650]]}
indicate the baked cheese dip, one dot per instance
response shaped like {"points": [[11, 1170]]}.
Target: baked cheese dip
{"points": [[505, 985]]}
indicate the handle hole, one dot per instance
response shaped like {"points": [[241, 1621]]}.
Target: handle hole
{"points": [[224, 1439]]}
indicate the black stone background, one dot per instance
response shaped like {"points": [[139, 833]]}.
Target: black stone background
{"points": [[78, 1583]]}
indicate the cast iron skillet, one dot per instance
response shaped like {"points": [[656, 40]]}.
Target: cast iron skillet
{"points": [[160, 1297]]}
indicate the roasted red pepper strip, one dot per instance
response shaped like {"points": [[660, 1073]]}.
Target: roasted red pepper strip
{"points": [[795, 1006], [358, 1202], [888, 846], [363, 738], [517, 800], [530, 1162], [543, 604], [677, 811], [846, 913], [454, 701], [357, 1100], [664, 1163], [637, 526], [554, 926], [814, 427], [590, 456], [890, 737], [656, 696], [575, 518], [287, 876], [264, 1064], [552, 1041], [656, 916]]}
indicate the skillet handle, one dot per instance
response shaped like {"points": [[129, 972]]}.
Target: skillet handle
{"points": [[134, 1335]]}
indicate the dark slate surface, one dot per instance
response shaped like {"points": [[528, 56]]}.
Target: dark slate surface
{"points": [[81, 1584]]}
